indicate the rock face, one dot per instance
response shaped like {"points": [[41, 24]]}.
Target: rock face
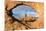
{"points": [[18, 26]]}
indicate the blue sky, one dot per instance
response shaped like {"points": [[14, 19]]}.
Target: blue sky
{"points": [[20, 11]]}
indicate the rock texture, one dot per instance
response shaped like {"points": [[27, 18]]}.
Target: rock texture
{"points": [[9, 26]]}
